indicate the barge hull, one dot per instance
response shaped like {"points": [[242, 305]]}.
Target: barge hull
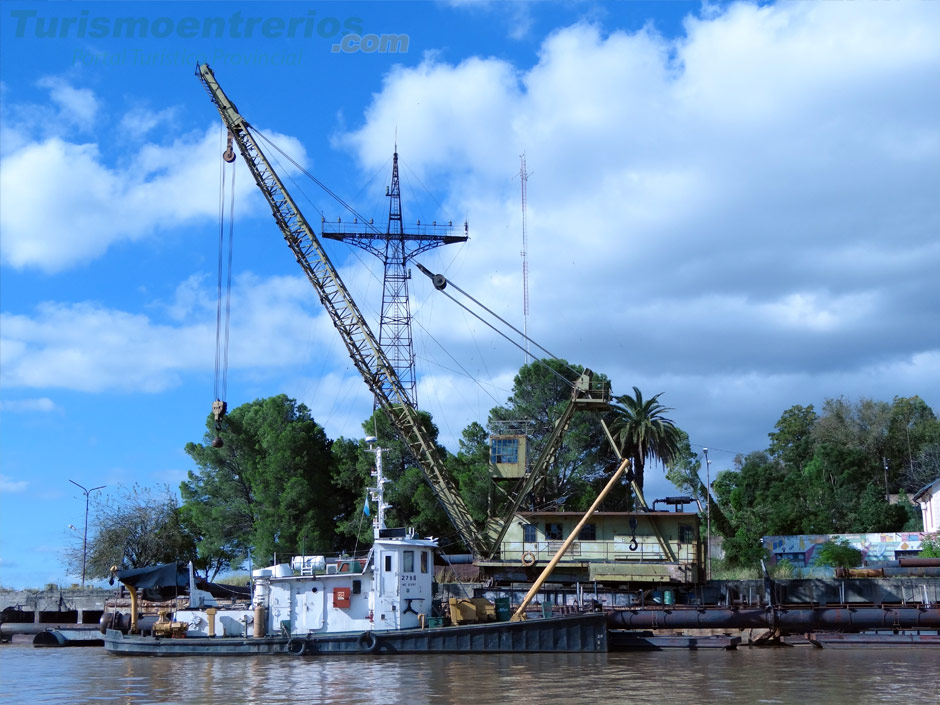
{"points": [[586, 633]]}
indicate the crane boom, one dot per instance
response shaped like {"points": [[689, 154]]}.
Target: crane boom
{"points": [[362, 345]]}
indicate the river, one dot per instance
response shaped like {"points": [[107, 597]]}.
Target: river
{"points": [[788, 676]]}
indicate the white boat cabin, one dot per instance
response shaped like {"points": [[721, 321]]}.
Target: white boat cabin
{"points": [[388, 589]]}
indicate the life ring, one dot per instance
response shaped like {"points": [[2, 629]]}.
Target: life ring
{"points": [[528, 559], [296, 646], [368, 643]]}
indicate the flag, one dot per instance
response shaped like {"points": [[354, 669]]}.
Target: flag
{"points": [[365, 507]]}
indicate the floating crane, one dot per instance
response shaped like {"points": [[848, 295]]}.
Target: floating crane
{"points": [[367, 354]]}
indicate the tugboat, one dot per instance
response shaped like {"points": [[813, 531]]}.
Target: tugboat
{"points": [[380, 604]]}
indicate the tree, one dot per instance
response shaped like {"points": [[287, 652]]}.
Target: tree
{"points": [[267, 489], [133, 527], [413, 502], [643, 431], [471, 469], [838, 554], [540, 393], [683, 471], [792, 442], [925, 468]]}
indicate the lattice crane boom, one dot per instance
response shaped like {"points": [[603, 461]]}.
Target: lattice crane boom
{"points": [[361, 344]]}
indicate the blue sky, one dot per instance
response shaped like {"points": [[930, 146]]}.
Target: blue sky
{"points": [[734, 204]]}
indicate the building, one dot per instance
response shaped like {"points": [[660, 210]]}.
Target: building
{"points": [[928, 497]]}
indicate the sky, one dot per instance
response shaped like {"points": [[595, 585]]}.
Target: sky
{"points": [[731, 204]]}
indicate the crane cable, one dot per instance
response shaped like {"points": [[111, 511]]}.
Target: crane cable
{"points": [[223, 312], [440, 282]]}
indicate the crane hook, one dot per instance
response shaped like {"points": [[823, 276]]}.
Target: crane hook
{"points": [[229, 154], [219, 408]]}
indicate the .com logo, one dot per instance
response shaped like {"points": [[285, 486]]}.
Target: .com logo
{"points": [[372, 44]]}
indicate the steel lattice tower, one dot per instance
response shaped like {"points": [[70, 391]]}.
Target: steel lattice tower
{"points": [[395, 247]]}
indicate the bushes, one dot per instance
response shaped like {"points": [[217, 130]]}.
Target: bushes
{"points": [[930, 546], [838, 554]]}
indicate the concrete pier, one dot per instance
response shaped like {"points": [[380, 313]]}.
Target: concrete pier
{"points": [[30, 611]]}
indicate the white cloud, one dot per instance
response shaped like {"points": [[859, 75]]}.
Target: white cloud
{"points": [[92, 348], [139, 121], [99, 204], [9, 485], [77, 106], [43, 405], [751, 207]]}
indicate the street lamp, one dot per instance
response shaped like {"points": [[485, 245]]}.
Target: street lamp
{"points": [[708, 517], [85, 538]]}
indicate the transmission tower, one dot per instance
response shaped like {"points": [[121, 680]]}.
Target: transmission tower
{"points": [[395, 247]]}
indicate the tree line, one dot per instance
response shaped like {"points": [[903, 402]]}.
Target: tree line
{"points": [[279, 486], [849, 469]]}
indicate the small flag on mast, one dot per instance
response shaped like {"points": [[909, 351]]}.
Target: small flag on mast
{"points": [[365, 507]]}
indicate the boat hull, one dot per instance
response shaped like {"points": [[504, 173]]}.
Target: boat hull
{"points": [[585, 633]]}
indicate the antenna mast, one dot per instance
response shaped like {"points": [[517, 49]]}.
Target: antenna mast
{"points": [[523, 178]]}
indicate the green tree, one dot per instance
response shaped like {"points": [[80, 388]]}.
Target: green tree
{"points": [[133, 527], [838, 554], [684, 471], [413, 502], [792, 442], [643, 431], [875, 514], [930, 546], [925, 469], [471, 469], [267, 488], [540, 393]]}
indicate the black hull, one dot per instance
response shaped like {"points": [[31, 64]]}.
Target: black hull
{"points": [[585, 633]]}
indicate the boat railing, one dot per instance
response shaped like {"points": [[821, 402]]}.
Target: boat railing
{"points": [[621, 549]]}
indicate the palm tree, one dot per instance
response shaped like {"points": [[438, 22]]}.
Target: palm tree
{"points": [[643, 432]]}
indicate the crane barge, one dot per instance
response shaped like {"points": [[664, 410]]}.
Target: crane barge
{"points": [[653, 548]]}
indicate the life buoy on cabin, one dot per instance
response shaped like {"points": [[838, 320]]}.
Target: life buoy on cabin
{"points": [[297, 646], [528, 559], [368, 643]]}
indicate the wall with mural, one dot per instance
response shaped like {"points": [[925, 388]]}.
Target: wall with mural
{"points": [[877, 549]]}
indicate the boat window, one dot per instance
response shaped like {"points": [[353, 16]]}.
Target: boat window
{"points": [[588, 533], [685, 533], [553, 531], [424, 561], [356, 587], [388, 562], [408, 562], [528, 533]]}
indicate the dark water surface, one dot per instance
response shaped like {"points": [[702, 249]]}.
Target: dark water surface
{"points": [[790, 676]]}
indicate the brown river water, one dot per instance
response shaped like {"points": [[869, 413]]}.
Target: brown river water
{"points": [[790, 676]]}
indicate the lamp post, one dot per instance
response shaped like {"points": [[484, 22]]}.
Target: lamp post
{"points": [[85, 536], [708, 517]]}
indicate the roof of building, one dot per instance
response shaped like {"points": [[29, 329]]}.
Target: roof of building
{"points": [[929, 489]]}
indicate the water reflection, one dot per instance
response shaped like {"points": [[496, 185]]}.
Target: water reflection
{"points": [[794, 676]]}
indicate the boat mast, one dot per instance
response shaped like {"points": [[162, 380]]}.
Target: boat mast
{"points": [[377, 493]]}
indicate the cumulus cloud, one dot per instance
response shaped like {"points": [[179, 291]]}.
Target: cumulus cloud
{"points": [[98, 203], [93, 348], [77, 106], [751, 206]]}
